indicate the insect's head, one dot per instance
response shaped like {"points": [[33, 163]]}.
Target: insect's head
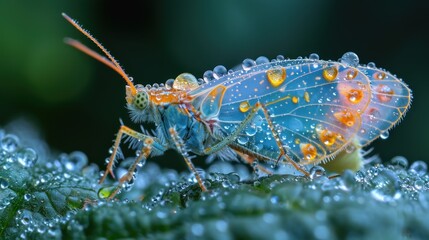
{"points": [[138, 99]]}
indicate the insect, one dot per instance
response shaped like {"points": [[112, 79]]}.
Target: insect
{"points": [[291, 111]]}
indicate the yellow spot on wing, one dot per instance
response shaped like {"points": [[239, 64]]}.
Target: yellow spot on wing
{"points": [[276, 76], [330, 73], [244, 106]]}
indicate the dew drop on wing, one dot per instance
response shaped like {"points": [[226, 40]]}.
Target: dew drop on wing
{"points": [[350, 59]]}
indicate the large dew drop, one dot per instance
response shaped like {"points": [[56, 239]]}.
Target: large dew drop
{"points": [[10, 143], [27, 157]]}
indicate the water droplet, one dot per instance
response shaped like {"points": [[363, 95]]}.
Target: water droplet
{"points": [[257, 120], [419, 167], [27, 197], [419, 184], [250, 130], [317, 172], [169, 84], [384, 135], [280, 58], [4, 183], [219, 71], [262, 60], [242, 140], [208, 76], [248, 64], [27, 157], [75, 161], [313, 56], [350, 59], [10, 143], [399, 161], [185, 81], [386, 186], [371, 65], [105, 192], [347, 179]]}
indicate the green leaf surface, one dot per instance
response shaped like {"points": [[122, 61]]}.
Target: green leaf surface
{"points": [[56, 198]]}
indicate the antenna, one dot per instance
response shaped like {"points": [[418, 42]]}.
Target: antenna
{"points": [[110, 62]]}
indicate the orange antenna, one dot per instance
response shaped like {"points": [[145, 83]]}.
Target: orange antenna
{"points": [[111, 62]]}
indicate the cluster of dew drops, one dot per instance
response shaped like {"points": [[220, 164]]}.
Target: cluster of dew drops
{"points": [[47, 173], [219, 71]]}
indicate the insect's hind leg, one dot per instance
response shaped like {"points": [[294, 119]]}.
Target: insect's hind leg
{"points": [[279, 142], [184, 152], [250, 157]]}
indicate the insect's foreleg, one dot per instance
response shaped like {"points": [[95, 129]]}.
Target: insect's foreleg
{"points": [[144, 154], [180, 145], [122, 130]]}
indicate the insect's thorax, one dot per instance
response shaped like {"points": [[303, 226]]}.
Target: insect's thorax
{"points": [[192, 131]]}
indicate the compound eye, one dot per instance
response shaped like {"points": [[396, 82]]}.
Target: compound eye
{"points": [[141, 100]]}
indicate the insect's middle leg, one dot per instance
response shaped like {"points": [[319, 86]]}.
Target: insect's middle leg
{"points": [[184, 152]]}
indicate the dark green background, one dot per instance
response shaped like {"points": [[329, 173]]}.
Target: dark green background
{"points": [[76, 102]]}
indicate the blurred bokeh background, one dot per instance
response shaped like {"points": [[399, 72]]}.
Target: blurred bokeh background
{"points": [[76, 102]]}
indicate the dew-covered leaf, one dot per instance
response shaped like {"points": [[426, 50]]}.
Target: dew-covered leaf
{"points": [[36, 193]]}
